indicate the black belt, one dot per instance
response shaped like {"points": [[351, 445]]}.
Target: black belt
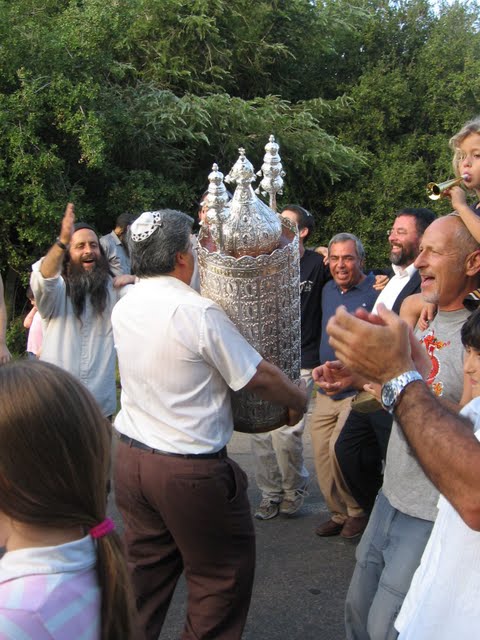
{"points": [[131, 442]]}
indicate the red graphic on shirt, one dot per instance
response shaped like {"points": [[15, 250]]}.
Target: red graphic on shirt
{"points": [[432, 344]]}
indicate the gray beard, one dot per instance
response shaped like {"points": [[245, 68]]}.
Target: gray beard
{"points": [[402, 259]]}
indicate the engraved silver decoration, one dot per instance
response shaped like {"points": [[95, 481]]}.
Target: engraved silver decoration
{"points": [[255, 278], [216, 201], [272, 172], [251, 228]]}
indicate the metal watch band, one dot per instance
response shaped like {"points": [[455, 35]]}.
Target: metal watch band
{"points": [[393, 389]]}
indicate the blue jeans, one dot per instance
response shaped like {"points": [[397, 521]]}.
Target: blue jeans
{"points": [[387, 556]]}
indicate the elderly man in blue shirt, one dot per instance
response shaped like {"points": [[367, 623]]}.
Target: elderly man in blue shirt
{"points": [[351, 288]]}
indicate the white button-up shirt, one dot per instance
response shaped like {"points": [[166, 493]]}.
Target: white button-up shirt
{"points": [[179, 356], [83, 347], [390, 293]]}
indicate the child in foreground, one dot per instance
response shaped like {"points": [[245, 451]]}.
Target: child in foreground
{"points": [[63, 575]]}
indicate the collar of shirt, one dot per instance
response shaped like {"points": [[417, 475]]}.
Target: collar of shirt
{"points": [[78, 555], [163, 280], [363, 285], [402, 272], [115, 238]]}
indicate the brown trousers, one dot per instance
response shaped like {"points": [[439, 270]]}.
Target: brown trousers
{"points": [[189, 515]]}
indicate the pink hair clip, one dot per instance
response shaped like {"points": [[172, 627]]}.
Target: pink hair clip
{"points": [[102, 529]]}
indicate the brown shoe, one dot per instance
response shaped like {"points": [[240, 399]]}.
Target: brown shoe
{"points": [[354, 527], [329, 528]]}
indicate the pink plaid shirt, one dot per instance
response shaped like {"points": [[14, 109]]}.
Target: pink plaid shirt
{"points": [[50, 593]]}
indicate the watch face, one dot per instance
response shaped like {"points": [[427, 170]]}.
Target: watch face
{"points": [[388, 395]]}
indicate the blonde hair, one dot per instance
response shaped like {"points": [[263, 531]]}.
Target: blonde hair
{"points": [[472, 126]]}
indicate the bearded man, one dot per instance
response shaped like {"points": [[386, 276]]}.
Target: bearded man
{"points": [[75, 295]]}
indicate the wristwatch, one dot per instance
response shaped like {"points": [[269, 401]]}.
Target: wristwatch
{"points": [[393, 389], [62, 245]]}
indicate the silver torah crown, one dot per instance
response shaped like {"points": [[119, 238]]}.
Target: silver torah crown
{"points": [[273, 173], [217, 201], [255, 277], [252, 228]]}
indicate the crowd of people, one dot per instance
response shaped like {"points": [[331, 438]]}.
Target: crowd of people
{"points": [[394, 424]]}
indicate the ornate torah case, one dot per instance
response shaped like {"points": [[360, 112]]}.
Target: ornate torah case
{"points": [[249, 264]]}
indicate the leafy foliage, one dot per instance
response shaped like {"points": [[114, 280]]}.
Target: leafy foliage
{"points": [[125, 106]]}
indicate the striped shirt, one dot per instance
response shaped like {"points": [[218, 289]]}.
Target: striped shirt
{"points": [[50, 593]]}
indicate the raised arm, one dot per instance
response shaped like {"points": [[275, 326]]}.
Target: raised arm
{"points": [[52, 263]]}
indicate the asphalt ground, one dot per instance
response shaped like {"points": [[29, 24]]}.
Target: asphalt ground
{"points": [[301, 579]]}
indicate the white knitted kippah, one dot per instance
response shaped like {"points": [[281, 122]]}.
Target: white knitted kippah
{"points": [[143, 227]]}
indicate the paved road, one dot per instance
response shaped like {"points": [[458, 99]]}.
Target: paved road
{"points": [[301, 579]]}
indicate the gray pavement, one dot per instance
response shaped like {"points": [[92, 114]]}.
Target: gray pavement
{"points": [[301, 579]]}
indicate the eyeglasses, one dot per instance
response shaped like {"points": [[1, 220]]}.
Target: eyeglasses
{"points": [[397, 232]]}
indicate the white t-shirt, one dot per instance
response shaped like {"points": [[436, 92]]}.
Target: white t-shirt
{"points": [[443, 600], [179, 356]]}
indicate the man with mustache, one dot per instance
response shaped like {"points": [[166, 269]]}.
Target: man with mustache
{"points": [[362, 444], [75, 296]]}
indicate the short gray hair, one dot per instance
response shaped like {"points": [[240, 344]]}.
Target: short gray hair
{"points": [[155, 255], [345, 237]]}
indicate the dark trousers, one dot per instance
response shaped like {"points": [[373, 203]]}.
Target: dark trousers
{"points": [[360, 449], [189, 515]]}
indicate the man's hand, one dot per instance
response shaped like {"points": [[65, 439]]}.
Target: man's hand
{"points": [[333, 377], [68, 221], [381, 282], [378, 347], [295, 416], [121, 281], [270, 383], [323, 251], [374, 389], [4, 354], [52, 263]]}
